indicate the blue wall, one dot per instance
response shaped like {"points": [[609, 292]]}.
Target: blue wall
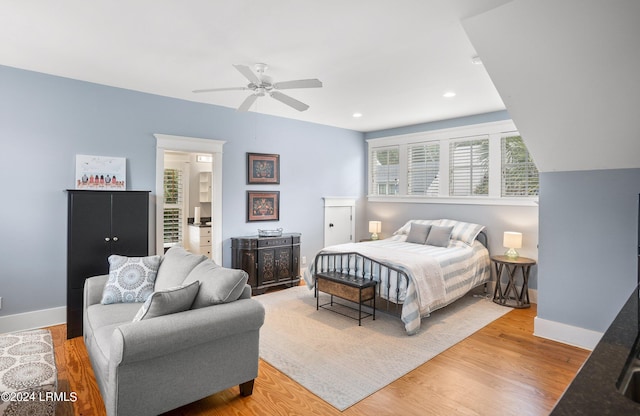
{"points": [[46, 120], [588, 243]]}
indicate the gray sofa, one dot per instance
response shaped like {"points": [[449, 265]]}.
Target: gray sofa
{"points": [[154, 365]]}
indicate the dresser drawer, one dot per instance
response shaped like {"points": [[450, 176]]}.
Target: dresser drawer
{"points": [[272, 242], [205, 231]]}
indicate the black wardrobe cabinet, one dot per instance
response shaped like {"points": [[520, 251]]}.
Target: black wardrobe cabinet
{"points": [[101, 223]]}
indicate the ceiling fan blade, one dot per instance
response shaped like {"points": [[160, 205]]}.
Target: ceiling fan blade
{"points": [[248, 74], [300, 83], [221, 89], [248, 102], [291, 102]]}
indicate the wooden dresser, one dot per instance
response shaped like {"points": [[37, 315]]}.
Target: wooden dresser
{"points": [[269, 261]]}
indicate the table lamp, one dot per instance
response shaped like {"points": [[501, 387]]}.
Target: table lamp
{"points": [[374, 228], [512, 240]]}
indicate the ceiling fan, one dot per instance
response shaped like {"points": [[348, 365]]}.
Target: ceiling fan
{"points": [[261, 85]]}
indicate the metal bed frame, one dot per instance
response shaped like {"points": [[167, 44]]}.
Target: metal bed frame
{"points": [[353, 265]]}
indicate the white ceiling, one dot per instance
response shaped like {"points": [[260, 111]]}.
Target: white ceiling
{"points": [[568, 73], [391, 60]]}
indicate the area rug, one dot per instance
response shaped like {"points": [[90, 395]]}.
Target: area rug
{"points": [[341, 362]]}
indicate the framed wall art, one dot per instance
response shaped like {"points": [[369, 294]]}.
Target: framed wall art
{"points": [[263, 168], [101, 173], [263, 206]]}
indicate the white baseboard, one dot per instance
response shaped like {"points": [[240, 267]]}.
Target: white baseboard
{"points": [[34, 319], [567, 334]]}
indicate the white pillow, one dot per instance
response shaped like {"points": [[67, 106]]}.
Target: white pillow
{"points": [[407, 226], [463, 231], [131, 279], [168, 301]]}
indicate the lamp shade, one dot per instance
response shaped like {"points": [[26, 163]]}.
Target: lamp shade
{"points": [[375, 226], [512, 239]]}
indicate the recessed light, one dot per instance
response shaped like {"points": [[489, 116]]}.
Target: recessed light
{"points": [[357, 115], [449, 94]]}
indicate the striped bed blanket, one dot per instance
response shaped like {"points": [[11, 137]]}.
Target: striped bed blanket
{"points": [[437, 275]]}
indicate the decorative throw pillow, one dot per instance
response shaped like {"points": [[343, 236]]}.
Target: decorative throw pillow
{"points": [[439, 236], [131, 279], [418, 233], [217, 284], [177, 263], [463, 231], [168, 301]]}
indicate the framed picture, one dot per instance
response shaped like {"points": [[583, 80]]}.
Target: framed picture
{"points": [[263, 168], [101, 173], [263, 206]]}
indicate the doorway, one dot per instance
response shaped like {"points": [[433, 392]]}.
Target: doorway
{"points": [[181, 144], [339, 221]]}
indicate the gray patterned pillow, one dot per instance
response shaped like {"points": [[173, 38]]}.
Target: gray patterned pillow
{"points": [[131, 279], [168, 301]]}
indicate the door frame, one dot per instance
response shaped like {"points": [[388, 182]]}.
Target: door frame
{"points": [[165, 142]]}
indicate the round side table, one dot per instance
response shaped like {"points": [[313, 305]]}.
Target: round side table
{"points": [[509, 295]]}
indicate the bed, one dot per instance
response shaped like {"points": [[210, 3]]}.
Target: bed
{"points": [[424, 266]]}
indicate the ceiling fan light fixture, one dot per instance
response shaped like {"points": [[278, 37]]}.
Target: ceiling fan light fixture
{"points": [[476, 60]]}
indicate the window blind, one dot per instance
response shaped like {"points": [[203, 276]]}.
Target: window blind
{"points": [[173, 207], [422, 169], [469, 167], [384, 165], [520, 176]]}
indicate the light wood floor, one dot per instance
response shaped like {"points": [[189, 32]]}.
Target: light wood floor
{"points": [[500, 370]]}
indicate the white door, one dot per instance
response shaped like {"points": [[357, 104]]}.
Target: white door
{"points": [[338, 225]]}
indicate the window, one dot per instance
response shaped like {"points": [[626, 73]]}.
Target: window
{"points": [[173, 207], [519, 173], [385, 166], [485, 163], [469, 167], [423, 168]]}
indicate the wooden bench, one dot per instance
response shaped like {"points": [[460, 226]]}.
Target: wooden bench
{"points": [[348, 287]]}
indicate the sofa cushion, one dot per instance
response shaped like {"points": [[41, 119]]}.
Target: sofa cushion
{"points": [[177, 263], [167, 301], [131, 279], [100, 315], [217, 284]]}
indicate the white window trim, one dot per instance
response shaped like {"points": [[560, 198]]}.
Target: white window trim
{"points": [[495, 131]]}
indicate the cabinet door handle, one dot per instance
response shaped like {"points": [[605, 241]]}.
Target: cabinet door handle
{"points": [[107, 239], [115, 238]]}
